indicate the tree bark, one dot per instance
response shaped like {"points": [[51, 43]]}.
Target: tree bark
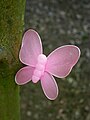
{"points": [[11, 26]]}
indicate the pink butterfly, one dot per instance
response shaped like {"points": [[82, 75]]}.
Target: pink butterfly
{"points": [[39, 67]]}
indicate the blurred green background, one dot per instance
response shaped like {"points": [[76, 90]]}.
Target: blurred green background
{"points": [[60, 22]]}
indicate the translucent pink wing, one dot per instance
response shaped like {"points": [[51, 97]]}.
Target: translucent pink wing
{"points": [[49, 86], [61, 60], [24, 75], [31, 48]]}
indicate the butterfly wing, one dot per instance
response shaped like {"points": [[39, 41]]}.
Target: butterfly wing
{"points": [[31, 48], [24, 75], [61, 61], [49, 86]]}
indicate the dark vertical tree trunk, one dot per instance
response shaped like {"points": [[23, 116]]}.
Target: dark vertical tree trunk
{"points": [[11, 26]]}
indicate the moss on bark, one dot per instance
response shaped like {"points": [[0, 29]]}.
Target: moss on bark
{"points": [[11, 26]]}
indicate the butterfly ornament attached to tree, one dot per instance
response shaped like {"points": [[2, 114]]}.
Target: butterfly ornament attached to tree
{"points": [[59, 63]]}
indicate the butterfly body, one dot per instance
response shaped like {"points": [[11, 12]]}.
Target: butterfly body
{"points": [[58, 63], [40, 67]]}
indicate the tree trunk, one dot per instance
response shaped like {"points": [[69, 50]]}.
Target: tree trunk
{"points": [[11, 26]]}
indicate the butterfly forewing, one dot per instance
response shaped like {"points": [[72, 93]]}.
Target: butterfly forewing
{"points": [[31, 48], [61, 60]]}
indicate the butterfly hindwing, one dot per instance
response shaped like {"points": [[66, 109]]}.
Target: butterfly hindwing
{"points": [[24, 75], [49, 86]]}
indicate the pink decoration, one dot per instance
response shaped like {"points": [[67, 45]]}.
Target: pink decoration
{"points": [[39, 67]]}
